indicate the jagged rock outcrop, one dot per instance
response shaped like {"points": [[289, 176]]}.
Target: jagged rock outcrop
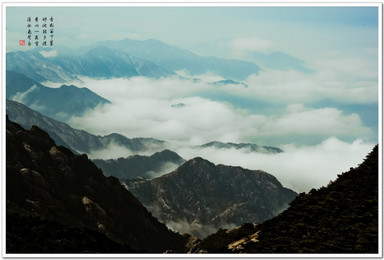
{"points": [[45, 182]]}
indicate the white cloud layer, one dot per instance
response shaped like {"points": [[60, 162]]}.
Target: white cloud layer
{"points": [[342, 80], [299, 120], [112, 151], [167, 167], [49, 54], [143, 107], [300, 168]]}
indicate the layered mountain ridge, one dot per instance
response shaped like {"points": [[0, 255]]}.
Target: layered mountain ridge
{"points": [[99, 62], [177, 59], [78, 141], [60, 103]]}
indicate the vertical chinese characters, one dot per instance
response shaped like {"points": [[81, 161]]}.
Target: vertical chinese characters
{"points": [[40, 31], [51, 31]]}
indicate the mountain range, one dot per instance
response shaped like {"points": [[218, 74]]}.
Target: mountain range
{"points": [[200, 197], [98, 62], [60, 201], [50, 187], [177, 59], [60, 103], [105, 62], [149, 58], [35, 66], [62, 198], [79, 141], [341, 218]]}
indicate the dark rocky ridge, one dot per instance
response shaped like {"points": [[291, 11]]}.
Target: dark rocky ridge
{"points": [[205, 197], [45, 236], [339, 218], [49, 182]]}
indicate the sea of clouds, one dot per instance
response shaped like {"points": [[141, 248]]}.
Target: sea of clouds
{"points": [[318, 142]]}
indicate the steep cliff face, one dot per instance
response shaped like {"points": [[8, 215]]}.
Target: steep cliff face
{"points": [[339, 218], [200, 197], [50, 183]]}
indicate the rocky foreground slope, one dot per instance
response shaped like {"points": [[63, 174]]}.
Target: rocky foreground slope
{"points": [[339, 218], [61, 202]]}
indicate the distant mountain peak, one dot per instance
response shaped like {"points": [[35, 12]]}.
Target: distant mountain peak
{"points": [[204, 196], [229, 82], [249, 146], [54, 102], [197, 163]]}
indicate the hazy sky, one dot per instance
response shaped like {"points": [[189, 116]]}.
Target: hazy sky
{"points": [[305, 32]]}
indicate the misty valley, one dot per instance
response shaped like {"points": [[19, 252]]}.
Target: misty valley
{"points": [[135, 146]]}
